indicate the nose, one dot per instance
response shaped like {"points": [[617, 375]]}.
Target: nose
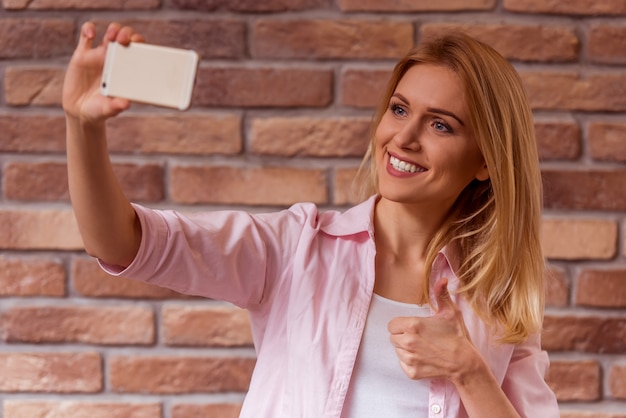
{"points": [[408, 136]]}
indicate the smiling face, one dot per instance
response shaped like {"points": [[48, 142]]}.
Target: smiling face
{"points": [[425, 152]]}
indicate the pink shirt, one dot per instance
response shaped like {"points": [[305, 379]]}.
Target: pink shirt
{"points": [[307, 278]]}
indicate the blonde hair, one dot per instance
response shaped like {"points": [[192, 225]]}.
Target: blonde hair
{"points": [[496, 222]]}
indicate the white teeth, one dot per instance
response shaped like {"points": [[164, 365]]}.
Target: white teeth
{"points": [[404, 166]]}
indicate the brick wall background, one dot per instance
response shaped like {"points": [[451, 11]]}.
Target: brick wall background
{"points": [[280, 113]]}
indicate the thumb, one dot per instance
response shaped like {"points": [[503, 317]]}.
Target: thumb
{"points": [[442, 296]]}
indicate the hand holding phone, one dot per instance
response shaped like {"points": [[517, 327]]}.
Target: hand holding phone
{"points": [[158, 75]]}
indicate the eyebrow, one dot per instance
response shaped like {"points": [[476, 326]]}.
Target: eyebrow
{"points": [[433, 109]]}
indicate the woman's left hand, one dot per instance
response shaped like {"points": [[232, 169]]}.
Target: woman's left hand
{"points": [[437, 346]]}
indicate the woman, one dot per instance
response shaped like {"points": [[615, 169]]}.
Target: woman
{"points": [[424, 301]]}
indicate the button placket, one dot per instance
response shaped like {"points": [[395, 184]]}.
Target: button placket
{"points": [[435, 408]]}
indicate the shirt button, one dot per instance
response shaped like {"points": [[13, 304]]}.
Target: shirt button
{"points": [[435, 409]]}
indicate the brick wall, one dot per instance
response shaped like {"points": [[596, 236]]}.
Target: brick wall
{"points": [[280, 114]]}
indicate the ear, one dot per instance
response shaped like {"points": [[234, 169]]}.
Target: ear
{"points": [[483, 173]]}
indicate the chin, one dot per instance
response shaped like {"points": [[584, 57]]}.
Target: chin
{"points": [[398, 196]]}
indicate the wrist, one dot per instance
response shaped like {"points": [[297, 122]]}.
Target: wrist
{"points": [[473, 369], [83, 124], [81, 132]]}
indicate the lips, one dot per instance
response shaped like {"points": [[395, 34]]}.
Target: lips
{"points": [[404, 166]]}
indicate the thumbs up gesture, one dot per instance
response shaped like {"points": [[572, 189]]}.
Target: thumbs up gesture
{"points": [[437, 346]]}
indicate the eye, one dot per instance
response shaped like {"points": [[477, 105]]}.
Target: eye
{"points": [[397, 109], [441, 126]]}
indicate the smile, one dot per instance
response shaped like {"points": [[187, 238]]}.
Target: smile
{"points": [[403, 166]]}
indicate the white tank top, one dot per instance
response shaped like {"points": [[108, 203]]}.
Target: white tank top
{"points": [[378, 387]]}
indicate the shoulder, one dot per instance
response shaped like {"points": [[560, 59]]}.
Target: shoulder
{"points": [[355, 220]]}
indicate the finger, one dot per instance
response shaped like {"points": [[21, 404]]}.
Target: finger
{"points": [[116, 106], [442, 296], [124, 35], [395, 327], [87, 35], [111, 33], [411, 371], [409, 344], [137, 38], [403, 324], [409, 364]]}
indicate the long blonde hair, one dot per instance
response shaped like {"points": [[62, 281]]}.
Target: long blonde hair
{"points": [[496, 222]]}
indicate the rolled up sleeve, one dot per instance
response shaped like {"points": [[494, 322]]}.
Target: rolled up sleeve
{"points": [[524, 382]]}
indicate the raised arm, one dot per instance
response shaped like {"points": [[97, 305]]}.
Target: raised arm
{"points": [[107, 222]]}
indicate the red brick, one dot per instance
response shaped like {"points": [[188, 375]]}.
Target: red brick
{"points": [[558, 139], [557, 287], [31, 277], [219, 410], [27, 181], [585, 189], [78, 409], [247, 185], [607, 141], [22, 38], [28, 229], [97, 325], [524, 42], [47, 181], [91, 281], [347, 189], [209, 326], [80, 4], [617, 381], [579, 239], [553, 90], [593, 334], [582, 130], [415, 5], [215, 38], [32, 133], [175, 375], [605, 44], [33, 86], [51, 372], [263, 87], [251, 5], [576, 7], [575, 380], [183, 133], [331, 38], [602, 288], [303, 136], [363, 88], [141, 182]]}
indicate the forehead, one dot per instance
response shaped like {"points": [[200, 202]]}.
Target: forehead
{"points": [[433, 86]]}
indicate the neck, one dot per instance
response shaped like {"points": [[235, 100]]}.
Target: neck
{"points": [[405, 230]]}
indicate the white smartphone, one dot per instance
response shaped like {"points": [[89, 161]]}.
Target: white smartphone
{"points": [[152, 74]]}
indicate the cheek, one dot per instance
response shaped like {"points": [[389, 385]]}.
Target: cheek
{"points": [[379, 143], [469, 159], [470, 166], [384, 131], [459, 166], [378, 137]]}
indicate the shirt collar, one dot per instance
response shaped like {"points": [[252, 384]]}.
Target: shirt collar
{"points": [[353, 221], [452, 253], [360, 218]]}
